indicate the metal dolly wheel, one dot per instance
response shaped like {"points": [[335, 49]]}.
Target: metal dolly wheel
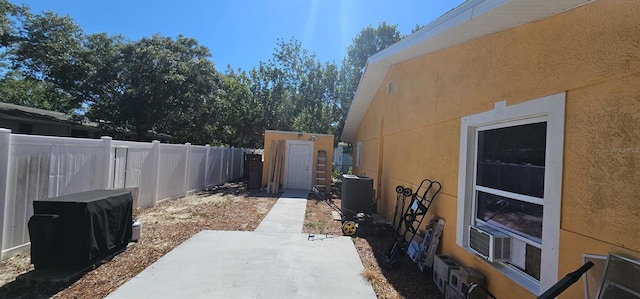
{"points": [[412, 219]]}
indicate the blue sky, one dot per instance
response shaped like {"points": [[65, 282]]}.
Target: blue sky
{"points": [[244, 32]]}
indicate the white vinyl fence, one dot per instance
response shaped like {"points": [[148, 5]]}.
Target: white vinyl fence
{"points": [[41, 167]]}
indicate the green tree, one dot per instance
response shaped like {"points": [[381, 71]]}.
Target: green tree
{"points": [[302, 89], [160, 84], [30, 92], [241, 115], [416, 28], [48, 48], [268, 88], [102, 56], [8, 11], [367, 43], [15, 87]]}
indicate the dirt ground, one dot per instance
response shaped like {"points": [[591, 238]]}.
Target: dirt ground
{"points": [[227, 207], [404, 282], [165, 226]]}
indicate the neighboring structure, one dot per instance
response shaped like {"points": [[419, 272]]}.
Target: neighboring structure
{"points": [[301, 168], [341, 160], [528, 112], [34, 121]]}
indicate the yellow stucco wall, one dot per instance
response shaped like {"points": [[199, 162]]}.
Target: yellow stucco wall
{"points": [[323, 142], [592, 53]]}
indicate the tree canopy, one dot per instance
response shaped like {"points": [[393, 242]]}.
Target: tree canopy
{"points": [[368, 42], [155, 84], [170, 84]]}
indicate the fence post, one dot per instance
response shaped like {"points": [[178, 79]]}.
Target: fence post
{"points": [[106, 158], [155, 151], [187, 168], [206, 166], [222, 160], [5, 147], [243, 154], [232, 163]]}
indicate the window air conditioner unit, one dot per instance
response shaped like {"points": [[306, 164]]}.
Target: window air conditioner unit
{"points": [[489, 243]]}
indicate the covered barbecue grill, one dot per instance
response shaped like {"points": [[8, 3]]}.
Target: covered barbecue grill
{"points": [[74, 230]]}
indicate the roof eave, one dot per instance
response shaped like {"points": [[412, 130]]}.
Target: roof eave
{"points": [[471, 20]]}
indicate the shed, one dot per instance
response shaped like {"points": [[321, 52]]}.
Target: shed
{"points": [[295, 160]]}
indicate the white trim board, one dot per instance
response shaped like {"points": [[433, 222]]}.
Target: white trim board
{"points": [[551, 108]]}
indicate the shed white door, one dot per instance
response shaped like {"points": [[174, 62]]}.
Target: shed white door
{"points": [[298, 165]]}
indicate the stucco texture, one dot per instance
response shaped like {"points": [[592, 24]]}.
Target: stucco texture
{"points": [[322, 142], [592, 52]]}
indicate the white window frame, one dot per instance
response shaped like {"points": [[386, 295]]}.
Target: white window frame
{"points": [[358, 153], [550, 108]]}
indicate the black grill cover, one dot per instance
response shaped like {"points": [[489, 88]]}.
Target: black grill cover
{"points": [[75, 230]]}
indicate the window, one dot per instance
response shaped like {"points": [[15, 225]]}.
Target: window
{"points": [[510, 181], [509, 185], [358, 153]]}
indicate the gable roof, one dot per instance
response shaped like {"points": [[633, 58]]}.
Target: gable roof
{"points": [[471, 20]]}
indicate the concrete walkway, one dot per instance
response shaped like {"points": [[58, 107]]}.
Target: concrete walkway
{"points": [[274, 261], [287, 215]]}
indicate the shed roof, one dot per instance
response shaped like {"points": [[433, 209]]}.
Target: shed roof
{"points": [[471, 20]]}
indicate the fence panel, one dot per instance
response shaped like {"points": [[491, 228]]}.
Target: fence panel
{"points": [[224, 169], [28, 180], [139, 170], [214, 176], [237, 163], [172, 171], [79, 167], [197, 168], [40, 167]]}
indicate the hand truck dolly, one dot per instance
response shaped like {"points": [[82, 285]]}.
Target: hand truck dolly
{"points": [[412, 219], [402, 194]]}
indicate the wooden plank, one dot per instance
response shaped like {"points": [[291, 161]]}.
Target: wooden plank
{"points": [[275, 167], [276, 174], [278, 167], [280, 164], [281, 171], [271, 159]]}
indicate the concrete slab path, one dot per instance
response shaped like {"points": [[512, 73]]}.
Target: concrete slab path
{"points": [[287, 215], [275, 261]]}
